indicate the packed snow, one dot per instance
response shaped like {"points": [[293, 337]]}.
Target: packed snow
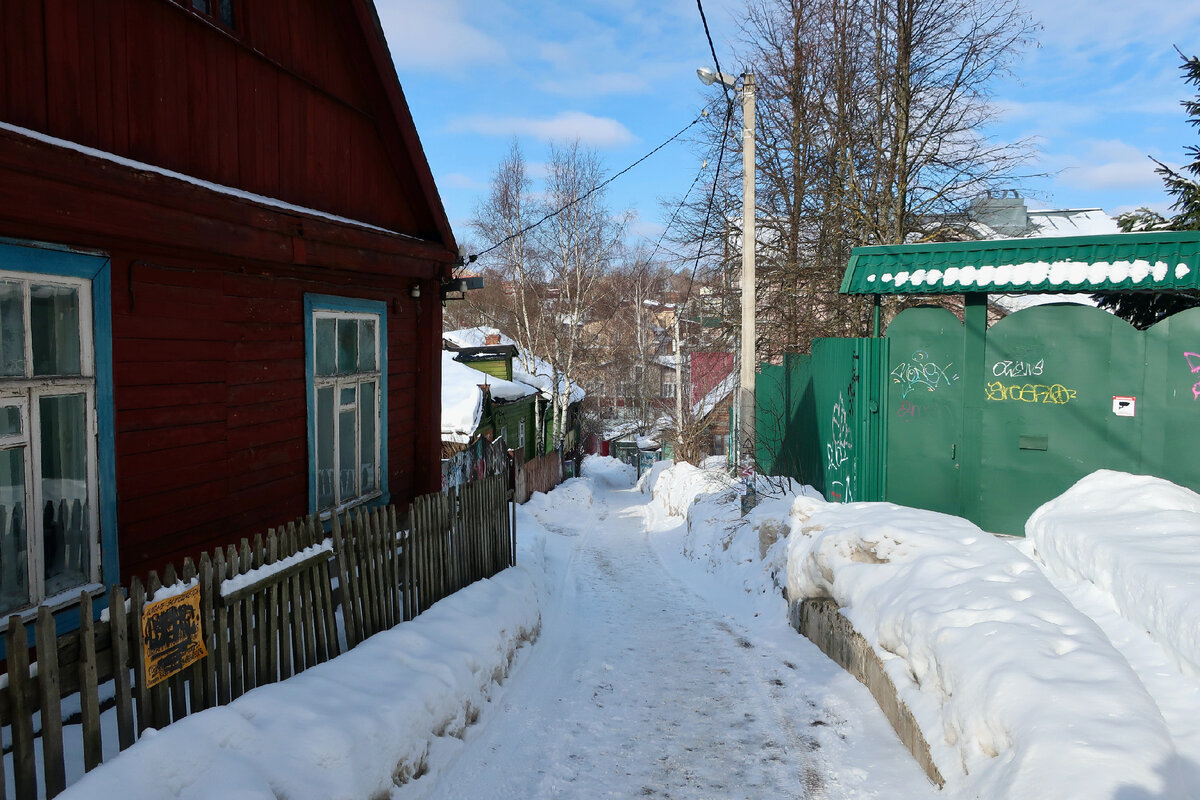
{"points": [[641, 648]]}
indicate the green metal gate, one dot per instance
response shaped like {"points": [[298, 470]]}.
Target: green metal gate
{"points": [[849, 391]]}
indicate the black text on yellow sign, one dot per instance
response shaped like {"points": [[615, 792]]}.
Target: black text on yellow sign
{"points": [[171, 635]]}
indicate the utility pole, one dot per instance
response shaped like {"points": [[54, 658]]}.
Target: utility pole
{"points": [[749, 244], [744, 430], [678, 383]]}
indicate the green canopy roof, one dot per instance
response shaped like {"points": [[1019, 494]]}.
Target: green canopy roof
{"points": [[1123, 262]]}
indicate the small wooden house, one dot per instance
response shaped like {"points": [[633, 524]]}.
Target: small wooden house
{"points": [[221, 249]]}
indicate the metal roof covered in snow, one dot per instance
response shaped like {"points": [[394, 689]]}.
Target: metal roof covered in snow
{"points": [[1124, 262]]}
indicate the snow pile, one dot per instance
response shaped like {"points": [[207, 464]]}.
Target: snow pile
{"points": [[1137, 538], [355, 726], [608, 472], [1018, 694], [560, 510]]}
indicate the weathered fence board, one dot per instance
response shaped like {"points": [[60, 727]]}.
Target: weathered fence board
{"points": [[380, 568]]}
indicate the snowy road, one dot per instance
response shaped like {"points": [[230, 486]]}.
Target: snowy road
{"points": [[639, 687]]}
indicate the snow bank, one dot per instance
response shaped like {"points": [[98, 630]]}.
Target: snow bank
{"points": [[1018, 694], [1137, 538], [607, 471], [353, 727]]}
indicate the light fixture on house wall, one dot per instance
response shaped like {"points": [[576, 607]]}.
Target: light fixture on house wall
{"points": [[414, 291]]}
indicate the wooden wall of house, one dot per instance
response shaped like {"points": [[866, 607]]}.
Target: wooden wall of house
{"points": [[208, 346], [211, 419], [287, 105]]}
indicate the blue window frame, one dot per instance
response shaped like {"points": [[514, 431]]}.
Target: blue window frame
{"points": [[58, 520], [346, 381]]}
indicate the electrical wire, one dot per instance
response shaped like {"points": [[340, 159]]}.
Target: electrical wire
{"points": [[588, 193]]}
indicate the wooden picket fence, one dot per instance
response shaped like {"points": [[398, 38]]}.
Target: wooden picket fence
{"points": [[539, 474], [269, 610]]}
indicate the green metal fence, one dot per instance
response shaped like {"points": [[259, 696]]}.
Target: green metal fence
{"points": [[988, 423]]}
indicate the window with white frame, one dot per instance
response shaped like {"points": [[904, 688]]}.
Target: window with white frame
{"points": [[347, 398], [521, 433], [49, 513]]}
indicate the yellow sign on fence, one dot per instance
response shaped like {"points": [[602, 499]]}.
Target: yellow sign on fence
{"points": [[172, 639]]}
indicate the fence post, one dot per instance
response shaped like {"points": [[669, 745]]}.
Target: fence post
{"points": [[47, 678], [19, 690], [89, 700], [118, 625]]}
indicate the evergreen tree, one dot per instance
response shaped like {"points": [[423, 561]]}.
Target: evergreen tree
{"points": [[1143, 310]]}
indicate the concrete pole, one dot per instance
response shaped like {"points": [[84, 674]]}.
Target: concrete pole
{"points": [[749, 243], [678, 384]]}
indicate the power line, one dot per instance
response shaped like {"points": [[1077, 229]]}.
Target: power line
{"points": [[588, 193]]}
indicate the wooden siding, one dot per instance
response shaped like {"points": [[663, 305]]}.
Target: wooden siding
{"points": [[288, 106], [210, 394]]}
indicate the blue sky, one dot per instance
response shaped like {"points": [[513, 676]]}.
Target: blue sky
{"points": [[1099, 92]]}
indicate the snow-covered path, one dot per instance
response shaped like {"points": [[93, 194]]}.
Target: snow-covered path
{"points": [[639, 687]]}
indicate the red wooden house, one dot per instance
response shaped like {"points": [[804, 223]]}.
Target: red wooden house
{"points": [[220, 257]]}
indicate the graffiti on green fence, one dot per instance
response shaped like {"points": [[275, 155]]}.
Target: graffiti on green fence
{"points": [[1055, 394], [1193, 360], [921, 373]]}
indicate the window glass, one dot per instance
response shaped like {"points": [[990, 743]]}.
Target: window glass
{"points": [[10, 421], [226, 12], [14, 556], [366, 345], [366, 396], [347, 345], [347, 396], [326, 358], [12, 329], [347, 460], [54, 329], [325, 470], [64, 512]]}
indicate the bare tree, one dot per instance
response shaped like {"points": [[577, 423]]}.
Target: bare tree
{"points": [[869, 132]]}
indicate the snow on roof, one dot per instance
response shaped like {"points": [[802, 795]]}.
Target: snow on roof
{"points": [[462, 399], [1071, 222], [1137, 538], [527, 368], [230, 191], [1019, 694], [715, 395]]}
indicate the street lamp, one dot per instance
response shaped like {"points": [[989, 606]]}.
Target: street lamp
{"points": [[745, 429]]}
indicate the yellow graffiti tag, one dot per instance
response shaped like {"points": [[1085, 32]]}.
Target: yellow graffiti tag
{"points": [[1056, 394]]}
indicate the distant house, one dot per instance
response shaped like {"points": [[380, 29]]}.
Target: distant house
{"points": [[481, 404], [528, 369], [220, 264]]}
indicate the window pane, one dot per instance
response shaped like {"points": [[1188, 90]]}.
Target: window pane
{"points": [[12, 330], [227, 12], [347, 458], [325, 332], [366, 345], [367, 410], [54, 328], [65, 528], [325, 497], [10, 421], [347, 396], [200, 5], [347, 344], [14, 556]]}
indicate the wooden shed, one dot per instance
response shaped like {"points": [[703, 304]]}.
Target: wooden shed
{"points": [[221, 249]]}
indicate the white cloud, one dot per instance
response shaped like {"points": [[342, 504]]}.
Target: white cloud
{"points": [[563, 127], [457, 180], [432, 35], [1107, 165]]}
